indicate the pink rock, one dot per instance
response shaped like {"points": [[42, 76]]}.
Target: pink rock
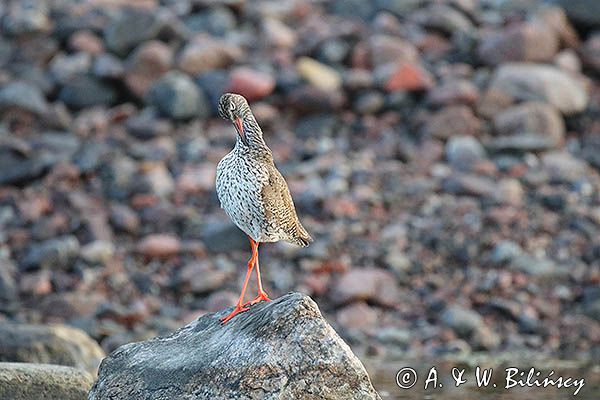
{"points": [[369, 284], [456, 91], [357, 316], [159, 246], [409, 77], [86, 41], [205, 53], [250, 83]]}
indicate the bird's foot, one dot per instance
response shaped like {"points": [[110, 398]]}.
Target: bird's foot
{"points": [[239, 308], [262, 296]]}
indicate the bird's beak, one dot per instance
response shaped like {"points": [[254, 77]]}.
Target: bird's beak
{"points": [[239, 126]]}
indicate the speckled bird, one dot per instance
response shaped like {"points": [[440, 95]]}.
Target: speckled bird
{"points": [[253, 192]]}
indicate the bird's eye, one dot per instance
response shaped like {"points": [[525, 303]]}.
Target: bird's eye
{"points": [[231, 106]]}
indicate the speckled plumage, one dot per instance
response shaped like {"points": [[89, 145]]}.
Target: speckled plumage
{"points": [[250, 188]]}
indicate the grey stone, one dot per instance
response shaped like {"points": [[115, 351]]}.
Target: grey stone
{"points": [[22, 381], [463, 152], [130, 28], [469, 325], [84, 91], [23, 96], [53, 253], [531, 118], [521, 143], [282, 349], [584, 13], [223, 236], [49, 344], [177, 96], [528, 81]]}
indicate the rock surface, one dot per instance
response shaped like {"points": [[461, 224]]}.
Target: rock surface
{"points": [[23, 381], [51, 344], [281, 349]]}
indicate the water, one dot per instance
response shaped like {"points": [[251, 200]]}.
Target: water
{"points": [[384, 380]]}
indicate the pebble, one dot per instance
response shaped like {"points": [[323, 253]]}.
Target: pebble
{"points": [[369, 284], [531, 117], [528, 42], [159, 246], [463, 152], [23, 95], [85, 91], [54, 253], [522, 81], [318, 75], [250, 83], [148, 63], [453, 120], [177, 96]]}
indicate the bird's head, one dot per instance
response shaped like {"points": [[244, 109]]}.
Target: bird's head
{"points": [[234, 107]]}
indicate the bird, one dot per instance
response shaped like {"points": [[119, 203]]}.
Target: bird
{"points": [[253, 193]]}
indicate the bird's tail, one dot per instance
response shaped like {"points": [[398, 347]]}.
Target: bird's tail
{"points": [[301, 238]]}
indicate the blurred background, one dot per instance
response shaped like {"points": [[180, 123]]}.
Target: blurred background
{"points": [[444, 154]]}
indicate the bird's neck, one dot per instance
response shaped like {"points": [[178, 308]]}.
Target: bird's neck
{"points": [[256, 143]]}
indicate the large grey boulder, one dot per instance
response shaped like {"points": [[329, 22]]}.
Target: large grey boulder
{"points": [[282, 349], [22, 381], [49, 344]]}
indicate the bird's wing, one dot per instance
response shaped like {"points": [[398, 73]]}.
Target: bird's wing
{"points": [[280, 210]]}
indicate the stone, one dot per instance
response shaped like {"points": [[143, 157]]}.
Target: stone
{"points": [[278, 34], [86, 41], [368, 284], [562, 167], [25, 18], [469, 325], [159, 246], [224, 236], [387, 49], [469, 185], [584, 13], [590, 52], [319, 75], [404, 77], [65, 67], [59, 252], [443, 18], [108, 66], [524, 142], [463, 152], [453, 92], [528, 81], [15, 171], [201, 278], [204, 53], [217, 20], [23, 381], [148, 63], [124, 218], [251, 83], [531, 118], [531, 41], [176, 96], [8, 284], [85, 91], [127, 29], [23, 96], [358, 316], [98, 252], [452, 120], [49, 344], [246, 358]]}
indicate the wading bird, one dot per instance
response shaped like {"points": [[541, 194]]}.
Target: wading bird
{"points": [[253, 192]]}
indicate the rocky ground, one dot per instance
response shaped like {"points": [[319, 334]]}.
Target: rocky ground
{"points": [[444, 154]]}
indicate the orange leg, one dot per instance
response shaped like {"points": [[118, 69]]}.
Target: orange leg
{"points": [[240, 307], [262, 295]]}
